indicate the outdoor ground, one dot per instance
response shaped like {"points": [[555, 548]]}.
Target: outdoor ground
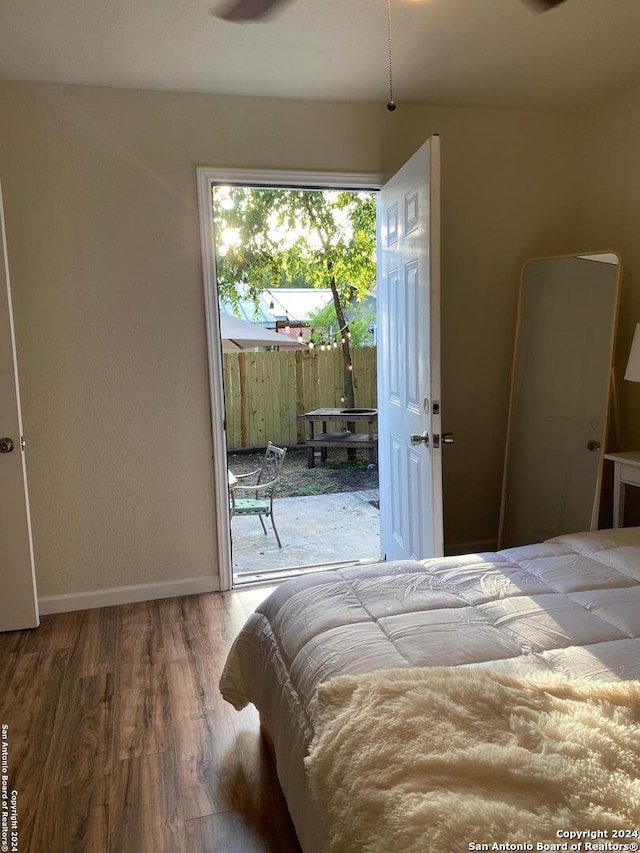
{"points": [[337, 474]]}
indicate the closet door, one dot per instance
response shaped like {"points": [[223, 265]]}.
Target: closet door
{"points": [[18, 601]]}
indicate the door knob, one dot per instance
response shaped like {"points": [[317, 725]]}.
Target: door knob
{"points": [[420, 439], [594, 445], [6, 445]]}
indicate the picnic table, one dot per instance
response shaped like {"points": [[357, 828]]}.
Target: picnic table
{"points": [[345, 437]]}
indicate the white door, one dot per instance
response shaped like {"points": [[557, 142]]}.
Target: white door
{"points": [[411, 524], [18, 602]]}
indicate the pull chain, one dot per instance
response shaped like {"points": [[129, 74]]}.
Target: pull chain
{"points": [[391, 104]]}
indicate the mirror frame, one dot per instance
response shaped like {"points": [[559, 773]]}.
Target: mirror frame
{"points": [[611, 391]]}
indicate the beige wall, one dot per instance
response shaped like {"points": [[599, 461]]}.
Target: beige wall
{"points": [[610, 189], [100, 199]]}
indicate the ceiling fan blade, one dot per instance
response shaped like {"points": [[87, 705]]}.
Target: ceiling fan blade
{"points": [[249, 10], [545, 5]]}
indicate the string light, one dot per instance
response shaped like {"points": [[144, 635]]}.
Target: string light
{"points": [[326, 345], [287, 321]]}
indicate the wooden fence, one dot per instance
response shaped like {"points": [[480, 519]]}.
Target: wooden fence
{"points": [[265, 391]]}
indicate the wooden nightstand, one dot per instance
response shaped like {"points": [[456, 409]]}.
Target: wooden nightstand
{"points": [[626, 472]]}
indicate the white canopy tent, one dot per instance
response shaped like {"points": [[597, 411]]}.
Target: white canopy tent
{"points": [[239, 334]]}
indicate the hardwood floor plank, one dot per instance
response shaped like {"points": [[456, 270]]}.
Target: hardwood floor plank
{"points": [[96, 650], [8, 662], [225, 616], [203, 721], [139, 616], [228, 832], [118, 733], [143, 721], [29, 708], [84, 835], [143, 712], [194, 671], [224, 767], [145, 814], [12, 642], [198, 632], [207, 764], [142, 661], [263, 804], [72, 798], [97, 831], [182, 620], [141, 657], [81, 739], [59, 631]]}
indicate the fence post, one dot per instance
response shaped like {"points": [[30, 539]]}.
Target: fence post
{"points": [[244, 400], [300, 425]]}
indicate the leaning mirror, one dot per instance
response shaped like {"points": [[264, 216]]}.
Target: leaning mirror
{"points": [[560, 386]]}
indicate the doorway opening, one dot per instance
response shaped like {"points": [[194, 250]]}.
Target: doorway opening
{"points": [[409, 405], [295, 258]]}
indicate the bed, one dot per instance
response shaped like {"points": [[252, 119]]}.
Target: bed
{"points": [[569, 606]]}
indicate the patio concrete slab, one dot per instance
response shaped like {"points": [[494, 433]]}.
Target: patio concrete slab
{"points": [[313, 530]]}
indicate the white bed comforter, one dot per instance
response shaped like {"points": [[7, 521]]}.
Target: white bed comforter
{"points": [[569, 605]]}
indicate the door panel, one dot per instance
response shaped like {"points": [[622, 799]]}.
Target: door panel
{"points": [[417, 503], [395, 487], [409, 373], [414, 334], [18, 602]]}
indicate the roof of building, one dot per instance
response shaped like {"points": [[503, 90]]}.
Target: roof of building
{"points": [[295, 303]]}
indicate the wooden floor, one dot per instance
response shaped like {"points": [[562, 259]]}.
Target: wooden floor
{"points": [[120, 741]]}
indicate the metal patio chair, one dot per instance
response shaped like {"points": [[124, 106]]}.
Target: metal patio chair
{"points": [[257, 498]]}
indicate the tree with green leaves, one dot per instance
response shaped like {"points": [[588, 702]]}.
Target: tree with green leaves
{"points": [[266, 238], [324, 325]]}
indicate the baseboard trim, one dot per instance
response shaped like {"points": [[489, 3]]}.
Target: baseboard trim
{"points": [[126, 595], [471, 547]]}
